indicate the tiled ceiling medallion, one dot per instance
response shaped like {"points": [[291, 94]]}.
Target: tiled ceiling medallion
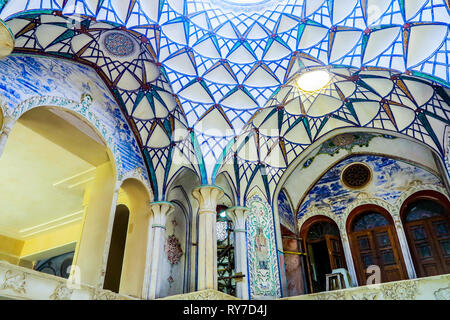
{"points": [[119, 44]]}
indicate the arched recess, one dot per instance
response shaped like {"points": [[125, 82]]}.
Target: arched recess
{"points": [[181, 235], [311, 152], [426, 219], [385, 142], [322, 243], [292, 272], [174, 272], [325, 155], [136, 197], [63, 169], [229, 198], [374, 242]]}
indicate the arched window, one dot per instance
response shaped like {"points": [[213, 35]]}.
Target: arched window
{"points": [[324, 250], [426, 221], [374, 243]]}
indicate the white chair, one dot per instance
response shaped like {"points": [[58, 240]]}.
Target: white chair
{"points": [[345, 276]]}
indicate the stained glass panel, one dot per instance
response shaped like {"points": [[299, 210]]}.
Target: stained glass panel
{"points": [[383, 240], [369, 220], [367, 260], [445, 245], [441, 228], [364, 243], [419, 233], [424, 251], [388, 257], [320, 229], [424, 209]]}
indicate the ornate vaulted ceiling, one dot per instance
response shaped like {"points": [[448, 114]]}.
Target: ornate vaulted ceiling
{"points": [[224, 61]]}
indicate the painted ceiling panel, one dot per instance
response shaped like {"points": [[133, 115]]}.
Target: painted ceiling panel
{"points": [[201, 51]]}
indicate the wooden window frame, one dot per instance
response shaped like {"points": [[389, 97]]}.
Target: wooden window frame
{"points": [[418, 196], [355, 213]]}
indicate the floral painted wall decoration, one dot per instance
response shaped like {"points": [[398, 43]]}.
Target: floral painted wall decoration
{"points": [[38, 80], [173, 249], [390, 179], [286, 214], [262, 255]]}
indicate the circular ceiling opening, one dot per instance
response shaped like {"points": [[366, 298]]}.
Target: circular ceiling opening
{"points": [[313, 81], [245, 2], [356, 175], [243, 5]]}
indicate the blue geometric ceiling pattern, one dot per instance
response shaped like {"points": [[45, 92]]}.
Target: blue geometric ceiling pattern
{"points": [[224, 61], [293, 119]]}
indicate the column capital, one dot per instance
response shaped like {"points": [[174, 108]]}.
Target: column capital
{"points": [[159, 210], [238, 215], [207, 197]]}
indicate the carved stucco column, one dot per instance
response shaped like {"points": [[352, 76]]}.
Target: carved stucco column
{"points": [[239, 216], [407, 258], [349, 259], [159, 213], [8, 124], [207, 197]]}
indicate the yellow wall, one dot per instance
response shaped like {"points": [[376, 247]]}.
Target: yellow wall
{"points": [[45, 246], [135, 196], [90, 251], [10, 249], [58, 238]]}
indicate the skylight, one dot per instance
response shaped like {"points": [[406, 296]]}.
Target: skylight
{"points": [[313, 81]]}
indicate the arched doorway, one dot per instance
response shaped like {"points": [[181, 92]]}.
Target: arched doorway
{"points": [[117, 249], [293, 263], [58, 177], [134, 194], [226, 281], [374, 242], [322, 242], [426, 221]]}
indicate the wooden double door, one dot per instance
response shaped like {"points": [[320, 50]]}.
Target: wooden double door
{"points": [[379, 247], [429, 242]]}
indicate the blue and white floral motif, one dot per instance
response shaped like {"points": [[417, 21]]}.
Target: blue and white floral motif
{"points": [[30, 81], [287, 217], [390, 179], [262, 255]]}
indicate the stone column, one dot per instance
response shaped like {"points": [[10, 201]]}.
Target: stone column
{"points": [[148, 263], [239, 215], [407, 258], [207, 197], [8, 124], [160, 212], [349, 259]]}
